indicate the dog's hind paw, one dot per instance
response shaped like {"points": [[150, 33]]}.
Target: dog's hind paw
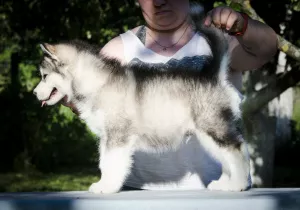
{"points": [[102, 188], [227, 185]]}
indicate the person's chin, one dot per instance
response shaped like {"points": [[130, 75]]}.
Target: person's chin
{"points": [[168, 23], [165, 25]]}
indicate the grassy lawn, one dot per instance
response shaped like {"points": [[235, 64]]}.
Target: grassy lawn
{"points": [[18, 182]]}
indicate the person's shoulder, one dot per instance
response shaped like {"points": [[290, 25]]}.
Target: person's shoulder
{"points": [[115, 48], [135, 30]]}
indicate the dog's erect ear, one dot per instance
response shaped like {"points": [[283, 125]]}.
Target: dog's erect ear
{"points": [[49, 50]]}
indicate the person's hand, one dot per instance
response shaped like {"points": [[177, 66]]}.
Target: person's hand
{"points": [[225, 18]]}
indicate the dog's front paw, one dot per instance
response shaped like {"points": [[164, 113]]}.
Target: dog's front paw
{"points": [[102, 188], [227, 185]]}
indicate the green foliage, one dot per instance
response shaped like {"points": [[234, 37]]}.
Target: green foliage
{"points": [[28, 76], [296, 5], [5, 66], [219, 3], [52, 137], [236, 7], [37, 182]]}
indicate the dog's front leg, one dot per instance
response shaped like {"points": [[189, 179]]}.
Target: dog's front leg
{"points": [[115, 163]]}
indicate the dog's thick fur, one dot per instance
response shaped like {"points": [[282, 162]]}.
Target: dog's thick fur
{"points": [[132, 108]]}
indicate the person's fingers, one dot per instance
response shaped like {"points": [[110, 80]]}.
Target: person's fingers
{"points": [[208, 19], [232, 19], [216, 16], [224, 15], [223, 18]]}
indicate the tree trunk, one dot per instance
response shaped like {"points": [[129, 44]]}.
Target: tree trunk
{"points": [[260, 134], [282, 108], [259, 131], [268, 127]]}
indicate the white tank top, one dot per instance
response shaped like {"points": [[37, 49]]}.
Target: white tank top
{"points": [[189, 167]]}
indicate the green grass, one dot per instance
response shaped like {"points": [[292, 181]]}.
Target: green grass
{"points": [[19, 182]]}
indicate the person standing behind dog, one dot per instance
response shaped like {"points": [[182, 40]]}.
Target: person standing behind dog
{"points": [[169, 39]]}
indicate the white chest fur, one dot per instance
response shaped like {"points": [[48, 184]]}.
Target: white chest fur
{"points": [[94, 120]]}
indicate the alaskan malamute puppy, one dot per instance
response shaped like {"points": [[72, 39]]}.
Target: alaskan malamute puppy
{"points": [[132, 108]]}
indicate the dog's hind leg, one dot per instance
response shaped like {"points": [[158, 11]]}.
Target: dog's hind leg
{"points": [[234, 159], [223, 140], [115, 163]]}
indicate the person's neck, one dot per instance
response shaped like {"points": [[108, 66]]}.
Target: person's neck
{"points": [[168, 31], [168, 37]]}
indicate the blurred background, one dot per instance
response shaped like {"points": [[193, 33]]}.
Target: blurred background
{"points": [[50, 149]]}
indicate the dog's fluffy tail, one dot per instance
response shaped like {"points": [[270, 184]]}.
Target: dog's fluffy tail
{"points": [[218, 65]]}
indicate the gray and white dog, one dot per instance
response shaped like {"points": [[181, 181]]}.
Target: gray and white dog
{"points": [[135, 108]]}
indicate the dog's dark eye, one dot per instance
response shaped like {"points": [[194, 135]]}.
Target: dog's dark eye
{"points": [[44, 76]]}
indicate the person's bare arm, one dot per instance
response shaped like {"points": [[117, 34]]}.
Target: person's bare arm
{"points": [[254, 48], [114, 49]]}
